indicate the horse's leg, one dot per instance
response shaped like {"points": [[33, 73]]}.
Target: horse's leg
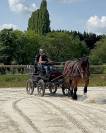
{"points": [[86, 85], [75, 94], [70, 88], [75, 90], [71, 91]]}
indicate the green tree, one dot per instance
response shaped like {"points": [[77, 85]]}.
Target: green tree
{"points": [[98, 54], [18, 47], [61, 46], [8, 45], [28, 45], [39, 20]]}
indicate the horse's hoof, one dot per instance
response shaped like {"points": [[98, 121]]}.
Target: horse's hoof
{"points": [[70, 94], [74, 97]]}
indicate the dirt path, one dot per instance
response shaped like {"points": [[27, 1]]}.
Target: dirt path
{"points": [[21, 113]]}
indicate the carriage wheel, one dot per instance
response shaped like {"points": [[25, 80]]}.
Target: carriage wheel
{"points": [[29, 87], [41, 88], [53, 89]]}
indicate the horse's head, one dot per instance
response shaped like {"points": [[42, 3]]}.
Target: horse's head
{"points": [[84, 64]]}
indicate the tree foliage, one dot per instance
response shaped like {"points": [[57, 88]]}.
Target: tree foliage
{"points": [[62, 46], [8, 45], [18, 47], [21, 47], [98, 54], [39, 21]]}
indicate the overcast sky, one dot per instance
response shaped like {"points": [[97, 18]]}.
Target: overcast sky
{"points": [[79, 15]]}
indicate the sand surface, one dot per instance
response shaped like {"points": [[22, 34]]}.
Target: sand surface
{"points": [[22, 113]]}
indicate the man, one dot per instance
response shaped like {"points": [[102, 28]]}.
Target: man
{"points": [[42, 61], [42, 57]]}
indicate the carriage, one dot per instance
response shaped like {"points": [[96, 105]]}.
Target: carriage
{"points": [[74, 72], [41, 81]]}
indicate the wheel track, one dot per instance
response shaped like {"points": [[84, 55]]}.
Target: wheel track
{"points": [[26, 118], [62, 112], [12, 122], [103, 110], [42, 104], [68, 116], [81, 109]]}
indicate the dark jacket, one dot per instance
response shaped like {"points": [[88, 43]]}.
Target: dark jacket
{"points": [[44, 58]]}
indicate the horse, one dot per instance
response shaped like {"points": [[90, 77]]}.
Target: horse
{"points": [[75, 72]]}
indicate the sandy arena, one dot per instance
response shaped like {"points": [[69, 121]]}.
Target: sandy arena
{"points": [[22, 113]]}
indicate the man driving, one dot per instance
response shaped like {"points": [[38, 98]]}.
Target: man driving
{"points": [[42, 58], [42, 61]]}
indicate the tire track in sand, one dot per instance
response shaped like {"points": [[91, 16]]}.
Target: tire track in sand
{"points": [[69, 117], [46, 109], [26, 118], [11, 123], [85, 113]]}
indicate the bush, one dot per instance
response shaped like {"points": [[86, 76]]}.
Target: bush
{"points": [[98, 69], [98, 55], [62, 46]]}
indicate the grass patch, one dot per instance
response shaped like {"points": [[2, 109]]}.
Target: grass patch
{"points": [[20, 80], [13, 81], [98, 80]]}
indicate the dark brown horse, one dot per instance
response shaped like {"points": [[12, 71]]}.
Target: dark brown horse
{"points": [[75, 72]]}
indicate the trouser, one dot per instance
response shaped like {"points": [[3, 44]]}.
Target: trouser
{"points": [[44, 68]]}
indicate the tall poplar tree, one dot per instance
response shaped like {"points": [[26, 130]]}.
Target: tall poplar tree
{"points": [[39, 20]]}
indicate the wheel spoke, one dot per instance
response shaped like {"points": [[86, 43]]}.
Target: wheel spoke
{"points": [[30, 87], [41, 88]]}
